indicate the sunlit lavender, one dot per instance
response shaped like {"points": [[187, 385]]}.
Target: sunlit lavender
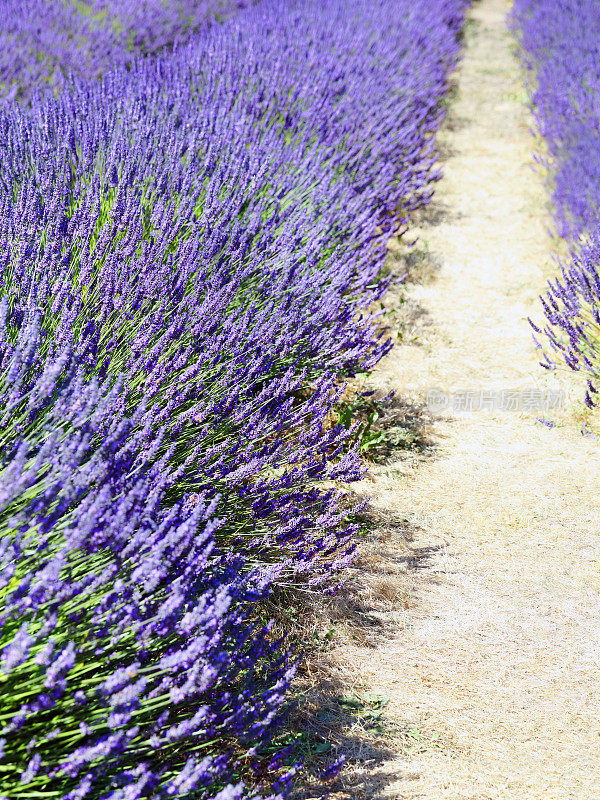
{"points": [[561, 48], [195, 200]]}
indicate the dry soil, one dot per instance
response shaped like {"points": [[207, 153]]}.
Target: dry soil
{"points": [[489, 650]]}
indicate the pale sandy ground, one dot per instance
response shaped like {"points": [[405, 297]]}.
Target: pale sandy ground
{"points": [[495, 663]]}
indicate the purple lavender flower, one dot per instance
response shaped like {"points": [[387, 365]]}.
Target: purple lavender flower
{"points": [[190, 241], [560, 46]]}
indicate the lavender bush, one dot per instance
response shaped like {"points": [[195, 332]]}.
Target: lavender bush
{"points": [[190, 243], [43, 41], [561, 48]]}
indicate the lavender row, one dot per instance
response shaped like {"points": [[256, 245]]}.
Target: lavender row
{"points": [[189, 248], [44, 41], [561, 48]]}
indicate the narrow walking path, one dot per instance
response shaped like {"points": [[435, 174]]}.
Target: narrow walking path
{"points": [[496, 659]]}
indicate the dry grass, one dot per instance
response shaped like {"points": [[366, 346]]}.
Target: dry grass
{"points": [[474, 607]]}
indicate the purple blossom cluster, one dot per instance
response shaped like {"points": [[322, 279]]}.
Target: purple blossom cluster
{"points": [[43, 41], [561, 48], [190, 244]]}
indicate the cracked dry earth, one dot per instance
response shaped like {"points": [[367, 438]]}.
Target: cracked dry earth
{"points": [[495, 660]]}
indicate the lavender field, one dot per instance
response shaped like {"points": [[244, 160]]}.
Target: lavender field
{"points": [[560, 43], [195, 205], [289, 508]]}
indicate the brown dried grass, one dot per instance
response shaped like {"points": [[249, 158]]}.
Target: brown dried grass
{"points": [[474, 605]]}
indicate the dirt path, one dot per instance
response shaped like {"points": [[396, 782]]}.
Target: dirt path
{"points": [[494, 667]]}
